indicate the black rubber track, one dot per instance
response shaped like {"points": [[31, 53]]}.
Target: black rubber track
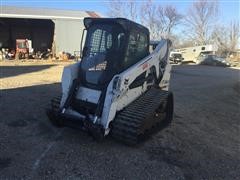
{"points": [[151, 110], [53, 111]]}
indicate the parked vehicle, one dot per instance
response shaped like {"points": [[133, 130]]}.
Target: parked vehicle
{"points": [[190, 54], [176, 57], [23, 48], [213, 60]]}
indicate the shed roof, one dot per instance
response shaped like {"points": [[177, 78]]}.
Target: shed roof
{"points": [[44, 13]]}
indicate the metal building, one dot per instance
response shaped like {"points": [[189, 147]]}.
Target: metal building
{"points": [[59, 30]]}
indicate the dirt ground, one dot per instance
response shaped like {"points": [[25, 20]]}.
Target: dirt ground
{"points": [[203, 141]]}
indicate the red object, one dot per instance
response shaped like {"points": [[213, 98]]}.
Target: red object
{"points": [[93, 14], [22, 46], [144, 66]]}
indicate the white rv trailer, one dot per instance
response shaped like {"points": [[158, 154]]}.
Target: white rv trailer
{"points": [[191, 54]]}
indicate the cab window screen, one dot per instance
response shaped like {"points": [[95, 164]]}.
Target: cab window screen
{"points": [[100, 41], [137, 48]]}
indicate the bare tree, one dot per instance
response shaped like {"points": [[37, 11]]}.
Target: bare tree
{"points": [[172, 18], [220, 37], [200, 20], [116, 8], [127, 9], [133, 11], [160, 20], [226, 37], [234, 35], [148, 18]]}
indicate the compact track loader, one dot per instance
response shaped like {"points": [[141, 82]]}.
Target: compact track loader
{"points": [[118, 87]]}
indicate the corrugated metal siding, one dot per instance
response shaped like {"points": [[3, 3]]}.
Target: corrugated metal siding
{"points": [[68, 25], [68, 34]]}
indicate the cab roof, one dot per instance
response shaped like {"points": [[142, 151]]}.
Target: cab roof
{"points": [[126, 24]]}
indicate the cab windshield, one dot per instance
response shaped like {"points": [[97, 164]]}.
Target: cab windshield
{"points": [[103, 46]]}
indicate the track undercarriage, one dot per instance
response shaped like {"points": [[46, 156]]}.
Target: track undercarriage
{"points": [[150, 112]]}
